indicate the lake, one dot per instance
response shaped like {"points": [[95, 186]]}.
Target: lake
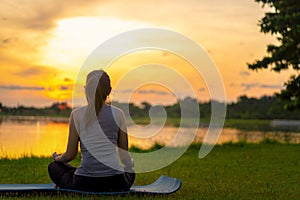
{"points": [[41, 136]]}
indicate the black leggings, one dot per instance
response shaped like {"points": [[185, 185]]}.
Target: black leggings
{"points": [[63, 176]]}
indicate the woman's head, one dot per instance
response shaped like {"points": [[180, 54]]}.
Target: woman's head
{"points": [[100, 80]]}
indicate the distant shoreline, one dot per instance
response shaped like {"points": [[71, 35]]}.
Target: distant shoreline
{"points": [[58, 119]]}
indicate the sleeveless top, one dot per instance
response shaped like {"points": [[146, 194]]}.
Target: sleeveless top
{"points": [[98, 144]]}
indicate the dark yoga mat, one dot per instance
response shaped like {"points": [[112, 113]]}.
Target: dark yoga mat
{"points": [[163, 185]]}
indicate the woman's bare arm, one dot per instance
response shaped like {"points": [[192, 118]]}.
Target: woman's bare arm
{"points": [[72, 147], [123, 150]]}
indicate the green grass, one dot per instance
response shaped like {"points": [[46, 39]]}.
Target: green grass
{"points": [[268, 170], [249, 124]]}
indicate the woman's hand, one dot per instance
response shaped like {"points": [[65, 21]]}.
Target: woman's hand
{"points": [[56, 157]]}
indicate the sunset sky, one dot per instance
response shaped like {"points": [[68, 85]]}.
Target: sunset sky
{"points": [[43, 44]]}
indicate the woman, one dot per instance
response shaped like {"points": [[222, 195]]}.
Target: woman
{"points": [[101, 131]]}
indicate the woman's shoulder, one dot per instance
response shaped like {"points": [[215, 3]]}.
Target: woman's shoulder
{"points": [[79, 109], [115, 108], [78, 113]]}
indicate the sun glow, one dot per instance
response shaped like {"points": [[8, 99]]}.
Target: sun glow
{"points": [[72, 41], [74, 38], [59, 90]]}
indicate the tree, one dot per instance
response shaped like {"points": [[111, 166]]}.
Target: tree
{"points": [[284, 23], [146, 106]]}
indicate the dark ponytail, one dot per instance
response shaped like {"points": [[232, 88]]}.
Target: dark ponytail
{"points": [[102, 91]]}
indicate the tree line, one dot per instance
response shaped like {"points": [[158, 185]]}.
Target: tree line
{"points": [[265, 107], [56, 109]]}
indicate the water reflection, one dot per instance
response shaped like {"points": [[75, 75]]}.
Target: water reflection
{"points": [[42, 136], [31, 137], [228, 135]]}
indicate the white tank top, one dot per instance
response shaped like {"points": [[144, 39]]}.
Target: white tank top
{"points": [[98, 141]]}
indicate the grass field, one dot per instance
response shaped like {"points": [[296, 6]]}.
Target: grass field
{"points": [[267, 170]]}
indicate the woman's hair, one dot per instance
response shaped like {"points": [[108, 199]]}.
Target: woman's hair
{"points": [[103, 88]]}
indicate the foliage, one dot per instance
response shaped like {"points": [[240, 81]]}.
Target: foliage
{"points": [[266, 107], [292, 93], [155, 147], [56, 109], [283, 22]]}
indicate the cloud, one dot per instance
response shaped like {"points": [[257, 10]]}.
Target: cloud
{"points": [[249, 86], [36, 71], [245, 73], [201, 89], [27, 26], [6, 40], [66, 79], [20, 87], [157, 92], [127, 91], [130, 91], [271, 86], [63, 87], [41, 15]]}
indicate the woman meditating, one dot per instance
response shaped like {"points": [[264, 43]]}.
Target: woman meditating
{"points": [[101, 131]]}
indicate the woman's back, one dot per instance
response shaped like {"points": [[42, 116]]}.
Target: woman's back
{"points": [[98, 144]]}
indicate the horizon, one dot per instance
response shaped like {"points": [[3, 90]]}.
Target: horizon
{"points": [[134, 103], [41, 56]]}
